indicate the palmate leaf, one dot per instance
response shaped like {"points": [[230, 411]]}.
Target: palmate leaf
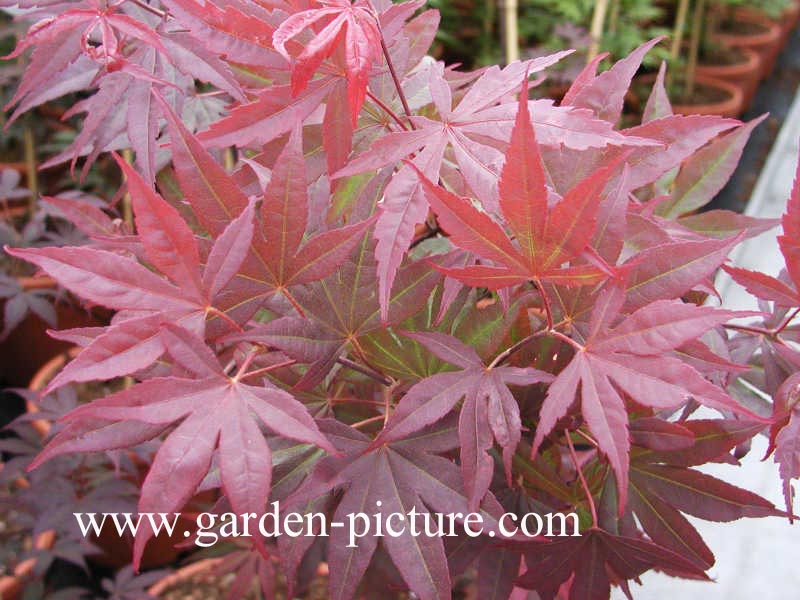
{"points": [[281, 255], [770, 288], [354, 26], [784, 437], [633, 358], [214, 412], [482, 327], [184, 294], [228, 31], [594, 561], [392, 479], [122, 112], [341, 82], [78, 47], [489, 410], [105, 18], [604, 94], [663, 487], [126, 52], [56, 67], [340, 310], [546, 236], [474, 129]]}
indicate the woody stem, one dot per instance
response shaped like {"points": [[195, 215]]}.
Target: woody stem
{"points": [[396, 80], [387, 110], [350, 364], [585, 485]]}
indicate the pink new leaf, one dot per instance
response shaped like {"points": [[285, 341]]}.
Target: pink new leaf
{"points": [[353, 25]]}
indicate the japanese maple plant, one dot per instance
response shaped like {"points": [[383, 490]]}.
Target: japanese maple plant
{"points": [[411, 287]]}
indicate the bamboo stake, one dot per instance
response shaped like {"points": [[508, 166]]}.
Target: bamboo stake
{"points": [[596, 31], [487, 39], [677, 32], [127, 210], [29, 148], [694, 48], [511, 29], [613, 21]]}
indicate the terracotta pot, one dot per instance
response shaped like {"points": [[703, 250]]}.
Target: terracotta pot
{"points": [[766, 41], [731, 106], [162, 585], [787, 21], [13, 209], [161, 550], [746, 74], [28, 346], [40, 379], [11, 585], [117, 551]]}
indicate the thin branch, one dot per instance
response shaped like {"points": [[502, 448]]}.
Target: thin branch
{"points": [[505, 354], [367, 421], [29, 148], [127, 208], [429, 233], [151, 9], [596, 30], [587, 437], [565, 338], [545, 302], [694, 47], [350, 364], [286, 363], [396, 82], [387, 109], [585, 485], [678, 30], [218, 313], [786, 321], [749, 329], [348, 400], [387, 403], [511, 29], [248, 360], [229, 367]]}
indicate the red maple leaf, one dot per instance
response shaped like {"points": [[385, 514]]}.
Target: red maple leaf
{"points": [[546, 236], [489, 410], [395, 478], [213, 411], [595, 560], [633, 359], [353, 26], [184, 294]]}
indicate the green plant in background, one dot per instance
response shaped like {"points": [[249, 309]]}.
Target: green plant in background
{"points": [[629, 24], [625, 25], [468, 31], [772, 8]]}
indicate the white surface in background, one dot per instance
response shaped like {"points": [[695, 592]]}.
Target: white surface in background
{"points": [[769, 201], [757, 559]]}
